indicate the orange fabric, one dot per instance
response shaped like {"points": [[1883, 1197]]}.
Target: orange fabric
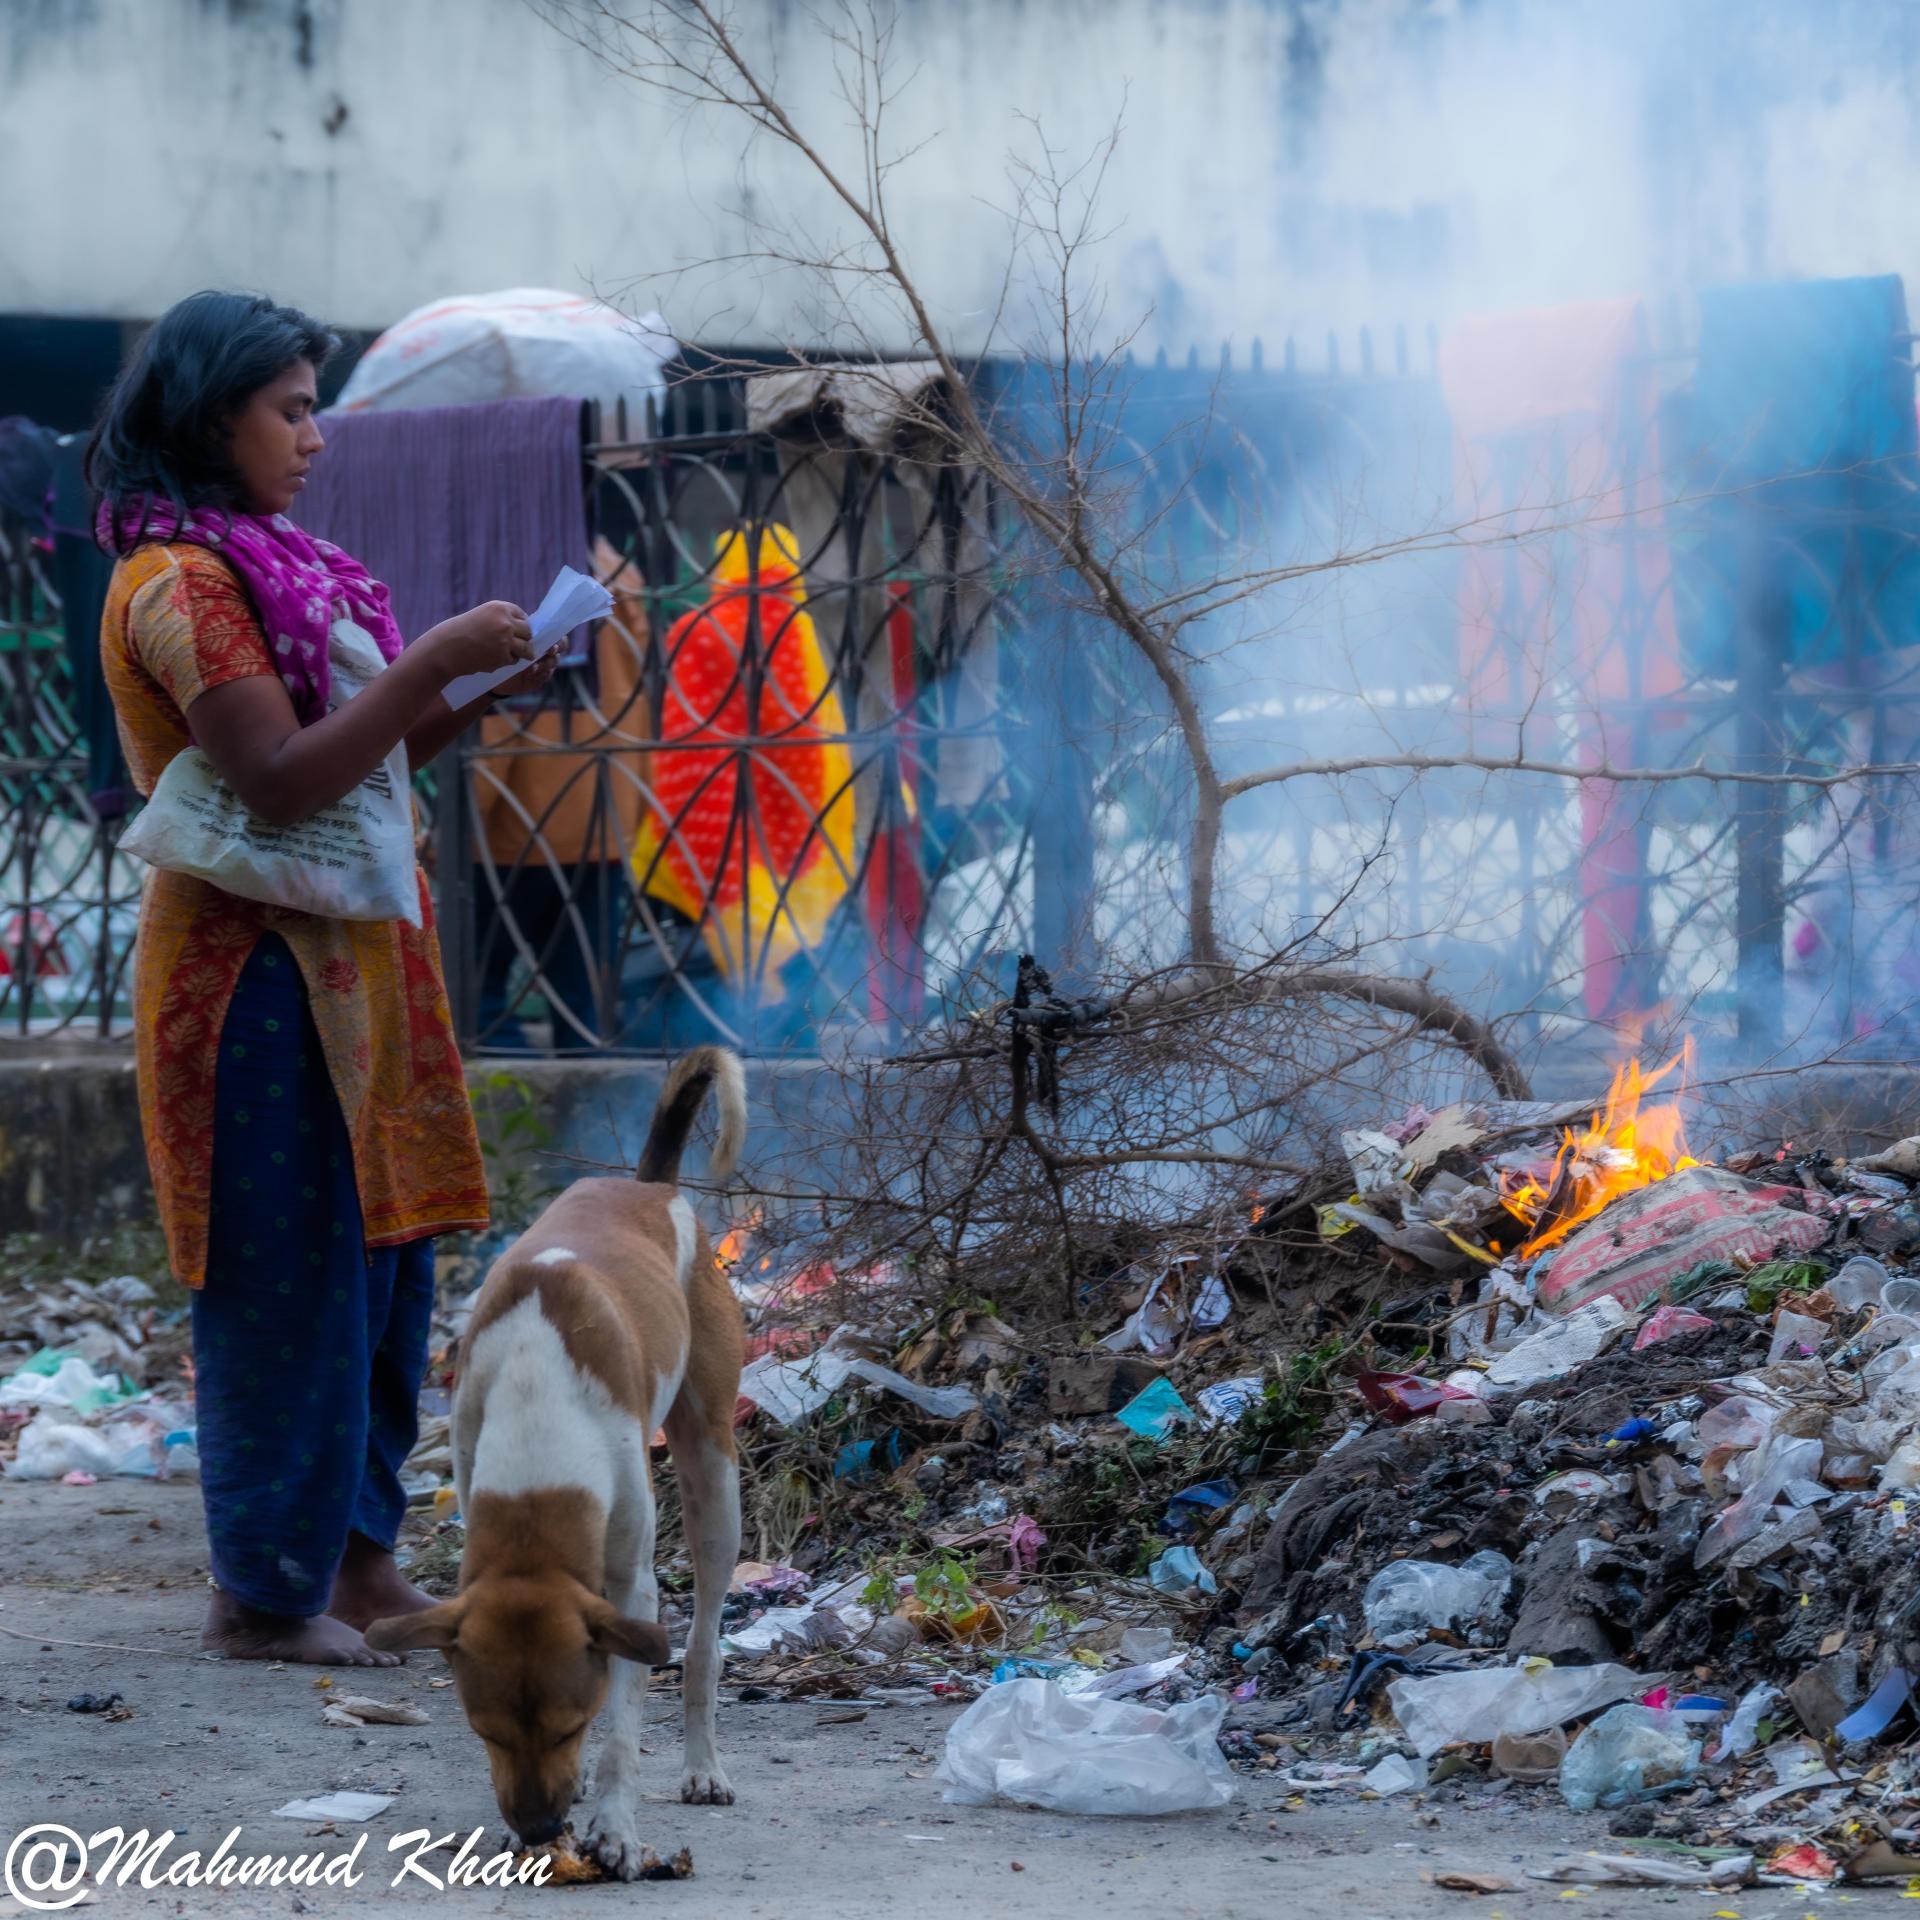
{"points": [[1566, 585], [749, 666], [525, 795], [177, 624]]}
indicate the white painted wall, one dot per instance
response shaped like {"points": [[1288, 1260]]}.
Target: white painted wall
{"points": [[1285, 163]]}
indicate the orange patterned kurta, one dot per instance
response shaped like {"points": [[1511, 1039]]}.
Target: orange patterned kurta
{"points": [[177, 624]]}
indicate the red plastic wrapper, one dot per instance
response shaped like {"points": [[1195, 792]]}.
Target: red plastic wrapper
{"points": [[1400, 1397], [1805, 1862], [1664, 1322]]}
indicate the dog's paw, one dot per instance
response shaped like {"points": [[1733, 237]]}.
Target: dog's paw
{"points": [[613, 1840], [707, 1786]]}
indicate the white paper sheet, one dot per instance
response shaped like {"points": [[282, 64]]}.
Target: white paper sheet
{"points": [[571, 602]]}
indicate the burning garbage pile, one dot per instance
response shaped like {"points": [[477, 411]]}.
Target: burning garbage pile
{"points": [[1551, 1459], [1535, 1454], [1639, 1526]]}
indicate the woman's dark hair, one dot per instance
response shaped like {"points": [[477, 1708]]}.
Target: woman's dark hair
{"points": [[163, 433]]}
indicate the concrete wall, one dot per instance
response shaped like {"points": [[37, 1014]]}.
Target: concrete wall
{"points": [[72, 1163], [1284, 164]]}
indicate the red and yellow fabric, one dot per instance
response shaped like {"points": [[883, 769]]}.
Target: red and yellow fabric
{"points": [[760, 871], [177, 624]]}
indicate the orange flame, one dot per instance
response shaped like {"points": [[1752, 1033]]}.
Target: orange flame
{"points": [[731, 1247], [1626, 1145]]}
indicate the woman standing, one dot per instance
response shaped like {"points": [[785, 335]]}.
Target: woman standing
{"points": [[301, 1093]]}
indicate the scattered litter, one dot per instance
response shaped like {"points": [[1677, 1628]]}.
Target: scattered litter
{"points": [[1029, 1744], [789, 1390], [1881, 1708], [1154, 1413], [357, 1710], [1742, 1731], [1637, 1870], [1630, 1752], [864, 1460], [1395, 1774], [1577, 1483], [1178, 1570], [336, 1806], [1557, 1349], [1479, 1704], [1194, 1503], [1452, 1880], [1667, 1323], [1881, 1860], [1407, 1599], [1125, 1680], [1531, 1758], [1400, 1397], [1225, 1402], [1804, 1862], [1212, 1304], [52, 1379], [1138, 1645]]}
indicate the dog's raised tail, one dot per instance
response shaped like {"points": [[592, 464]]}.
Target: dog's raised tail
{"points": [[692, 1075]]}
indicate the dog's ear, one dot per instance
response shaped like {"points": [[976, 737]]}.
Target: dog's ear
{"points": [[406, 1632], [615, 1634]]}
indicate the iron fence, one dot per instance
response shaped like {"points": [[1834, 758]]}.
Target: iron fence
{"points": [[837, 749], [784, 801], [68, 901], [1678, 582]]}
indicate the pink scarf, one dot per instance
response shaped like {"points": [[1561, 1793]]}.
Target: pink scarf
{"points": [[299, 585]]}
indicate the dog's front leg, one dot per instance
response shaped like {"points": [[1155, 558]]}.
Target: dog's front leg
{"points": [[613, 1831]]}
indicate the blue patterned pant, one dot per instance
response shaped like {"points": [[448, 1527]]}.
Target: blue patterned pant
{"points": [[308, 1346]]}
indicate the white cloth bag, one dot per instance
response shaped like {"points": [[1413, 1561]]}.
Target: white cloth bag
{"points": [[353, 860]]}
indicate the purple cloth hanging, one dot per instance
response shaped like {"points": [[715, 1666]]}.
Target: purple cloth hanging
{"points": [[451, 506]]}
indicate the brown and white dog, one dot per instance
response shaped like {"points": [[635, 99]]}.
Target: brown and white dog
{"points": [[606, 1320]]}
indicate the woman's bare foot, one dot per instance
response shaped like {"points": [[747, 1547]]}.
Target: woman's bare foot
{"points": [[369, 1587], [246, 1633]]}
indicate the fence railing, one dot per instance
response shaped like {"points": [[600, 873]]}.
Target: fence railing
{"points": [[784, 802], [68, 902], [837, 749]]}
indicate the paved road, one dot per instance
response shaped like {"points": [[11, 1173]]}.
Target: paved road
{"points": [[834, 1822]]}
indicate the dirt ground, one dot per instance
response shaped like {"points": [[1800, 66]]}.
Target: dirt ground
{"points": [[834, 1821]]}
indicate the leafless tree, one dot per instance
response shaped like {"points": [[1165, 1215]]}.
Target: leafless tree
{"points": [[1214, 1080]]}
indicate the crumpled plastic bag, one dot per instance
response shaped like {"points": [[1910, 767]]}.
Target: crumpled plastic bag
{"points": [[1560, 1345], [1411, 1598], [62, 1379], [50, 1449], [1027, 1742], [135, 1444], [1470, 1705], [1630, 1751], [789, 1390]]}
